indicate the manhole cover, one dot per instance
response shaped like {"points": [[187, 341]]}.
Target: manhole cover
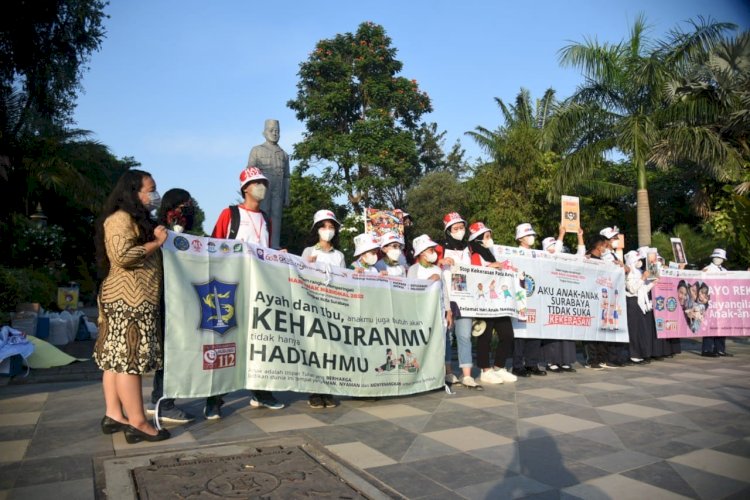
{"points": [[277, 472]]}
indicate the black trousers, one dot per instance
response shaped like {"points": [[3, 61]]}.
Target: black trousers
{"points": [[526, 353], [504, 328]]}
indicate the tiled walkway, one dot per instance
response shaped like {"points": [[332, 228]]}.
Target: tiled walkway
{"points": [[672, 429]]}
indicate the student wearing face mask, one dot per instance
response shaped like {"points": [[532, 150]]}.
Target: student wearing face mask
{"points": [[246, 222], [526, 352], [323, 242], [617, 352], [425, 268], [715, 346], [391, 246], [365, 254], [481, 246], [455, 250], [637, 287]]}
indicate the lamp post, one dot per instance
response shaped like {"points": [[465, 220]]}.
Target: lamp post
{"points": [[38, 217]]}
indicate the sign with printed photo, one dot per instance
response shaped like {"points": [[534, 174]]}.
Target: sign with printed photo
{"points": [[571, 214]]}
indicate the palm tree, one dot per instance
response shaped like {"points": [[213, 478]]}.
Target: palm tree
{"points": [[616, 111]]}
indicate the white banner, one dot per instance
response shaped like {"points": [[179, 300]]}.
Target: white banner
{"points": [[484, 292]]}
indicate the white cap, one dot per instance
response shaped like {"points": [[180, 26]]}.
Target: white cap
{"points": [[390, 237], [251, 174], [631, 257], [477, 229], [322, 215], [422, 243], [720, 253], [610, 232], [524, 229], [450, 219], [643, 252], [548, 242], [364, 243]]}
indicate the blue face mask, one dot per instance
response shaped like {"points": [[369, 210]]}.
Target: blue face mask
{"points": [[154, 201]]}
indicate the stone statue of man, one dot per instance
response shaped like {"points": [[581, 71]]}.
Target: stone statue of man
{"points": [[274, 163]]}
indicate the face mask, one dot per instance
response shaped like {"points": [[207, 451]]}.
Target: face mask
{"points": [[639, 264], [326, 234], [530, 240], [154, 201], [616, 244], [258, 191], [488, 243], [717, 261], [393, 254], [458, 235], [431, 258], [370, 259]]}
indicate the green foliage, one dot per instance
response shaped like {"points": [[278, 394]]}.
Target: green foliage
{"points": [[26, 285], [435, 195], [698, 246], [36, 246], [359, 114]]}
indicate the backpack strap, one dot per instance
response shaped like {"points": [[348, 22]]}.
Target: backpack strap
{"points": [[234, 224]]}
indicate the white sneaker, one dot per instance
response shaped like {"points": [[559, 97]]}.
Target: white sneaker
{"points": [[505, 375], [469, 381], [490, 377], [451, 378]]}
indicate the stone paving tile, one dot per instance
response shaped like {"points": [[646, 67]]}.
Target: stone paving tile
{"points": [[662, 475], [8, 474], [54, 470], [708, 485], [620, 487], [564, 445], [13, 451], [408, 481], [509, 486], [280, 423], [19, 418], [360, 455], [457, 471], [739, 447], [394, 411], [82, 489], [602, 386], [562, 423], [467, 438], [634, 410], [621, 460], [478, 402], [556, 471], [505, 456], [717, 462], [603, 435], [546, 393], [16, 432], [423, 448]]}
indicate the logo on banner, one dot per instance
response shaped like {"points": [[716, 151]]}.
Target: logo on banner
{"points": [[216, 356], [530, 315], [181, 243], [530, 284], [237, 248], [197, 245], [660, 303], [211, 247], [224, 248], [671, 304], [217, 305]]}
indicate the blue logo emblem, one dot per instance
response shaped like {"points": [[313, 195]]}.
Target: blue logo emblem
{"points": [[181, 243], [217, 305], [671, 304], [530, 285], [660, 303]]}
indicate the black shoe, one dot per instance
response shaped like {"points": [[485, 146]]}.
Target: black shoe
{"points": [[554, 369], [133, 435], [709, 355], [316, 401], [522, 372], [568, 368], [536, 371], [658, 358], [110, 425], [725, 354], [329, 401]]}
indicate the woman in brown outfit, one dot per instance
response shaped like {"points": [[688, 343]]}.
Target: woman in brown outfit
{"points": [[128, 243]]}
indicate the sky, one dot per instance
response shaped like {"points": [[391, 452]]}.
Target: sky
{"points": [[184, 86]]}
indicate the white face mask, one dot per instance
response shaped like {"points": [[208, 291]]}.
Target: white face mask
{"points": [[258, 191], [370, 259], [326, 234], [639, 264], [717, 261], [530, 240], [616, 244], [393, 254], [431, 257], [154, 201], [488, 243], [459, 235]]}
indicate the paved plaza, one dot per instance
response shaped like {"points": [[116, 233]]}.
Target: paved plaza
{"points": [[677, 428]]}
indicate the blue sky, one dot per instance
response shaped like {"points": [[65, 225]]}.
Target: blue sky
{"points": [[185, 86]]}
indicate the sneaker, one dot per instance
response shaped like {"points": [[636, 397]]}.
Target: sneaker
{"points": [[212, 410], [605, 365], [725, 354], [329, 401], [316, 401], [505, 375], [173, 414], [269, 402], [469, 381], [595, 367], [451, 378], [568, 368], [490, 377]]}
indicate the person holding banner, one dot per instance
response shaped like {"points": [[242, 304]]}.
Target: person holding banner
{"points": [[595, 352], [245, 222], [526, 352], [455, 250], [366, 248], [715, 346], [617, 352], [637, 287], [659, 347], [127, 249], [425, 269], [560, 355], [481, 245], [323, 241], [391, 246]]}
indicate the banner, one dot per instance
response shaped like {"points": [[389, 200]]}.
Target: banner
{"points": [[698, 304], [240, 316], [484, 292], [379, 222], [569, 297]]}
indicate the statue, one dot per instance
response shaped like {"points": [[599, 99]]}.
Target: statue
{"points": [[274, 162]]}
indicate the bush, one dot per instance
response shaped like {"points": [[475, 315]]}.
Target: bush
{"points": [[26, 285]]}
